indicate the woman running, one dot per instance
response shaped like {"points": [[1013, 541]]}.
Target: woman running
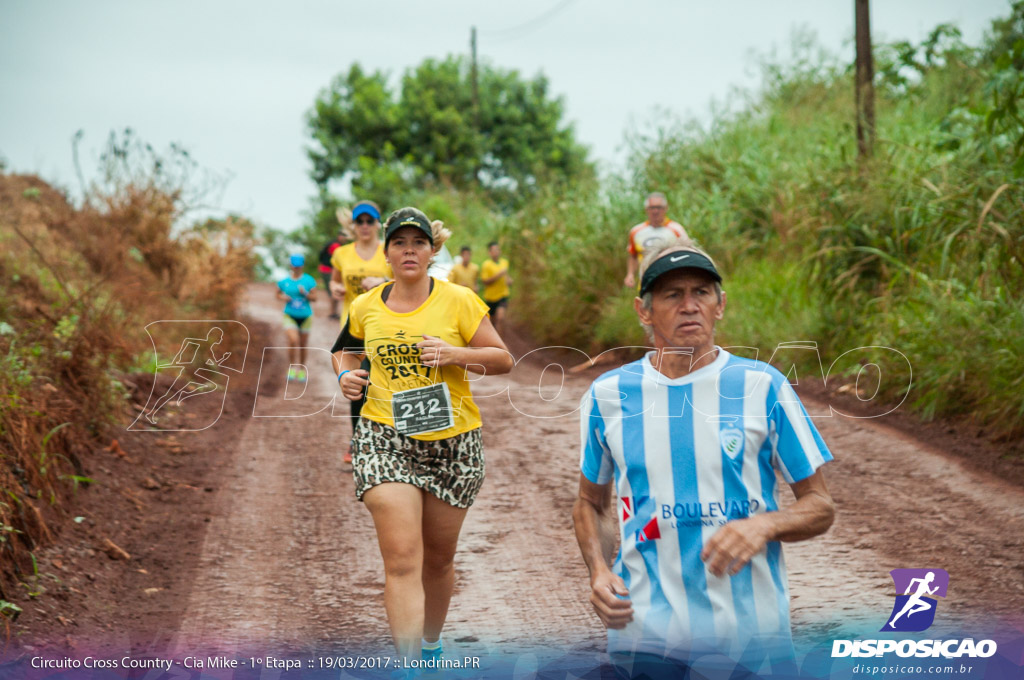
{"points": [[356, 268], [418, 453], [297, 290], [359, 266]]}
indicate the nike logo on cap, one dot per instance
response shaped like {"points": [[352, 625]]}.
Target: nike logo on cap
{"points": [[676, 259]]}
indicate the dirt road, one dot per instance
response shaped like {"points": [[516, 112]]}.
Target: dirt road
{"points": [[288, 560], [291, 557]]}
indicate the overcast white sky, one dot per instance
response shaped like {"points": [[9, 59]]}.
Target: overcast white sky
{"points": [[232, 80]]}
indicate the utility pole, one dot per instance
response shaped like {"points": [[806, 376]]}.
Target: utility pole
{"points": [[865, 80], [476, 88], [473, 75]]}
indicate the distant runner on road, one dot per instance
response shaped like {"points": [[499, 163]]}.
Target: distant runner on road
{"points": [[656, 230], [417, 451], [358, 267], [691, 438], [297, 290], [494, 276], [326, 270], [464, 272]]}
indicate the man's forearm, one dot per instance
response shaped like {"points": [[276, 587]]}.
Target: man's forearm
{"points": [[594, 533], [809, 516], [588, 536], [733, 545]]}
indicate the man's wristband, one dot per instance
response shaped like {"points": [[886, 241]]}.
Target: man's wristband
{"points": [[347, 370]]}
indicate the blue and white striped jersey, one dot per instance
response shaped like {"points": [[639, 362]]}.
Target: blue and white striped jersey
{"points": [[688, 455]]}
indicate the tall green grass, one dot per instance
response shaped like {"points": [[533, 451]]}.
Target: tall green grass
{"points": [[914, 255], [918, 250]]}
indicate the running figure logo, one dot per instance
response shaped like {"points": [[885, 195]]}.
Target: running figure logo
{"points": [[199, 367], [914, 610]]}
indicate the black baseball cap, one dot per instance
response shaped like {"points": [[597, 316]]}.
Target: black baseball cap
{"points": [[409, 221], [677, 259]]}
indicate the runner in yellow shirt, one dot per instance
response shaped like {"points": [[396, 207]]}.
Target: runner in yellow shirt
{"points": [[464, 272], [360, 265], [356, 268], [494, 275], [418, 452]]}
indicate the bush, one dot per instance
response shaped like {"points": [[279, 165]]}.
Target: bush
{"points": [[77, 288], [919, 249]]}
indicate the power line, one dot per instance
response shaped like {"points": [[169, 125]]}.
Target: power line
{"points": [[524, 29]]}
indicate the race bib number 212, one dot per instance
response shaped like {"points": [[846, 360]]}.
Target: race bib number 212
{"points": [[424, 409]]}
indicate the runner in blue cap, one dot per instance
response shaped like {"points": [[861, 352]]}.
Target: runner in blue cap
{"points": [[358, 267]]}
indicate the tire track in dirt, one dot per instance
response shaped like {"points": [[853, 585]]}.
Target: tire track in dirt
{"points": [[291, 560], [522, 584]]}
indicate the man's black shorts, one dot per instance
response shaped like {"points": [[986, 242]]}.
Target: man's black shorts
{"points": [[492, 307]]}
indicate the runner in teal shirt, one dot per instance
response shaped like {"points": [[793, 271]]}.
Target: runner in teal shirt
{"points": [[297, 290]]}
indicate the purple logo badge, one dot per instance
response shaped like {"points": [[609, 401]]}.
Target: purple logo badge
{"points": [[914, 609]]}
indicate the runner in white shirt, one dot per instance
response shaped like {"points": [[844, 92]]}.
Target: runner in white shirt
{"points": [[692, 436]]}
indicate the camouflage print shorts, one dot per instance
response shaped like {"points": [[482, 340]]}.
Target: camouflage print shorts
{"points": [[451, 469]]}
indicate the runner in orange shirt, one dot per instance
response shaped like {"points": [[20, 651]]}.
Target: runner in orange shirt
{"points": [[651, 233]]}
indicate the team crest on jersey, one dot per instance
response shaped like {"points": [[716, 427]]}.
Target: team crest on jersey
{"points": [[732, 442]]}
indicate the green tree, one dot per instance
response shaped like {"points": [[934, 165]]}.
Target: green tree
{"points": [[1005, 34], [432, 133], [353, 118]]}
